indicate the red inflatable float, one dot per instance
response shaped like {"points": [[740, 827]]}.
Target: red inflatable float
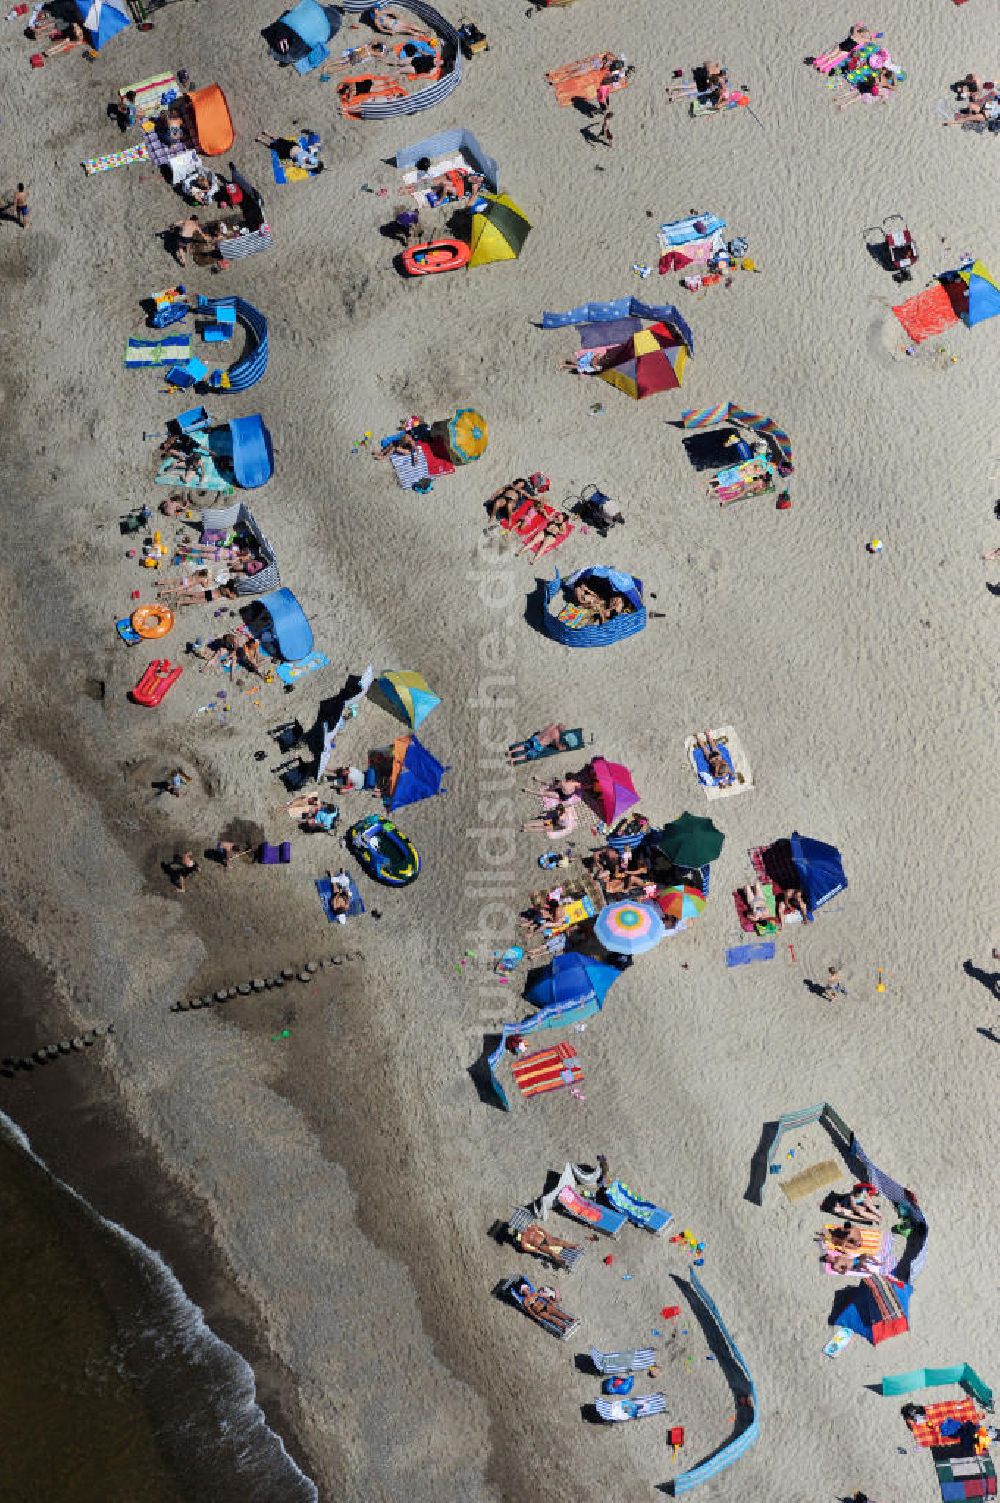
{"points": [[158, 679], [436, 255]]}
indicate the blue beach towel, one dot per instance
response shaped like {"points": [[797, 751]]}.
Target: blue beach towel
{"points": [[289, 672], [701, 765], [325, 889], [744, 954]]}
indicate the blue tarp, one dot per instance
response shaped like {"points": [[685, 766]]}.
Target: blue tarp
{"points": [[292, 631], [253, 457], [101, 20], [309, 21], [573, 979], [420, 778], [623, 307], [445, 144], [820, 869]]}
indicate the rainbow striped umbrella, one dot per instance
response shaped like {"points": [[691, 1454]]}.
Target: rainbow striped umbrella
{"points": [[629, 928], [681, 902]]}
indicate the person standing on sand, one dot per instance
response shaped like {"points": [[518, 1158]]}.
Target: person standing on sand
{"points": [[182, 868], [19, 204], [834, 985]]}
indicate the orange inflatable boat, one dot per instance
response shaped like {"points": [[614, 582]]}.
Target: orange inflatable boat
{"points": [[355, 93], [436, 255]]}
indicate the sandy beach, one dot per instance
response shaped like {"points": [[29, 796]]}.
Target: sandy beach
{"points": [[329, 1140]]}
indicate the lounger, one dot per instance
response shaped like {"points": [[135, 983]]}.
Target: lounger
{"points": [[640, 1212], [597, 1217], [561, 1331], [521, 1219], [325, 887], [618, 1410], [631, 1360]]}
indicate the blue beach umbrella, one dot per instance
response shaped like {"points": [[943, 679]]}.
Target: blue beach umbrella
{"points": [[101, 20], [573, 979], [820, 868]]}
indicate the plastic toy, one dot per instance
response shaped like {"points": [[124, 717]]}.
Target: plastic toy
{"points": [[157, 681]]}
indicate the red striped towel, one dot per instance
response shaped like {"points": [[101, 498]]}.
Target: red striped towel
{"points": [[548, 1070]]}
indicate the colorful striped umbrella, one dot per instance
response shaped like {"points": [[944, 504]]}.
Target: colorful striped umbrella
{"points": [[681, 902], [628, 928]]}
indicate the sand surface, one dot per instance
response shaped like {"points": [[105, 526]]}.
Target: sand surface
{"points": [[351, 1172]]}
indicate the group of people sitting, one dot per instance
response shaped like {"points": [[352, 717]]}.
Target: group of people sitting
{"points": [[788, 902], [846, 1248], [979, 103], [600, 602], [709, 83], [440, 190]]}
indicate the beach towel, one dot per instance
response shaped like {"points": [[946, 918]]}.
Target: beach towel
{"points": [[151, 93], [288, 172], [289, 672], [325, 887], [809, 1181], [548, 1070], [726, 740], [581, 80], [142, 352], [732, 101], [746, 954], [966, 1476], [747, 924], [631, 1360], [774, 864], [888, 1310], [874, 1256], [211, 479], [162, 151], [927, 314], [929, 1433], [112, 159]]}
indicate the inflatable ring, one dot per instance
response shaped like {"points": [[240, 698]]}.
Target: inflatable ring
{"points": [[152, 621]]}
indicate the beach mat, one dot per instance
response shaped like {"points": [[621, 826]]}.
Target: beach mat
{"points": [[111, 159], [143, 352], [288, 172], [211, 479], [289, 672], [810, 1181], [745, 954], [548, 1070]]}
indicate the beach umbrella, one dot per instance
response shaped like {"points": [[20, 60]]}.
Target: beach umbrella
{"points": [[573, 979], [498, 231], [681, 902], [692, 840], [407, 694], [468, 435], [615, 789], [629, 928], [102, 20], [651, 360], [820, 869]]}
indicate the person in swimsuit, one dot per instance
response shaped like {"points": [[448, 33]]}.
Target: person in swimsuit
{"points": [[186, 233], [718, 767], [73, 36]]}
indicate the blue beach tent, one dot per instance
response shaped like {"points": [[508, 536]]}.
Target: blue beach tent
{"points": [[101, 20], [416, 774], [308, 27], [253, 456], [292, 631]]}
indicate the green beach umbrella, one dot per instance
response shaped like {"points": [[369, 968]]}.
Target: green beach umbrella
{"points": [[692, 840]]}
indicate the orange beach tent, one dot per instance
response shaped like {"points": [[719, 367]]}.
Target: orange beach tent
{"points": [[213, 126]]}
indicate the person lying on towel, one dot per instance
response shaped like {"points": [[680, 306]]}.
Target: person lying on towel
{"points": [[845, 1248]]}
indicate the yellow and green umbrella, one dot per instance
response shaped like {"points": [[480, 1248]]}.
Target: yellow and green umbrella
{"points": [[498, 231]]}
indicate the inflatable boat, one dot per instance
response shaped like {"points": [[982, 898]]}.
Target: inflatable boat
{"points": [[435, 255], [384, 852]]}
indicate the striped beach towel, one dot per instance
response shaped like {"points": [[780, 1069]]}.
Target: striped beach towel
{"points": [[112, 159], [635, 1360], [140, 352], [237, 247], [548, 1070]]}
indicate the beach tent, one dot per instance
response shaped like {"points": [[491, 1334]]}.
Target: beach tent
{"points": [[213, 126], [498, 231], [415, 773], [696, 418], [603, 634], [292, 632], [876, 1309], [407, 695], [574, 980], [450, 143], [983, 294], [691, 841], [603, 324], [820, 870], [302, 34], [102, 20], [649, 361], [615, 789], [253, 456]]}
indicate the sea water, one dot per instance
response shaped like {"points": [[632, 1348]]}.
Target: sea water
{"points": [[114, 1389]]}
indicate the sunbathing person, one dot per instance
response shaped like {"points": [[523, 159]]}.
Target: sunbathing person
{"points": [[717, 765], [551, 535], [340, 892], [791, 901], [559, 820], [849, 1248], [526, 751], [549, 913], [73, 36], [186, 234], [586, 362], [347, 779], [710, 85], [190, 466], [504, 503], [756, 900], [535, 1239], [321, 817], [541, 1303], [224, 652], [859, 1205], [983, 111], [562, 788], [404, 444]]}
